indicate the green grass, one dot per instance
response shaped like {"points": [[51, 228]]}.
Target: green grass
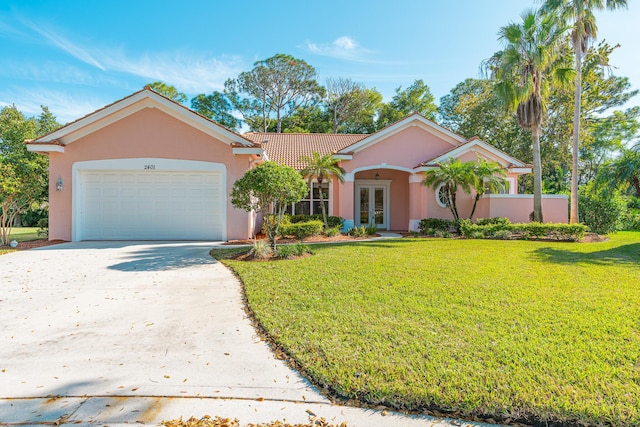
{"points": [[531, 331], [21, 234], [25, 234]]}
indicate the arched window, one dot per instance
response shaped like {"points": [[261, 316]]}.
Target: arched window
{"points": [[441, 196]]}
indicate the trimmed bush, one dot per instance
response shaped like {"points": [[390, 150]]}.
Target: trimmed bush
{"points": [[300, 230], [535, 230], [332, 221], [429, 226]]}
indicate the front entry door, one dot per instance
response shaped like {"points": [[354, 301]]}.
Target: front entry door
{"points": [[372, 204]]}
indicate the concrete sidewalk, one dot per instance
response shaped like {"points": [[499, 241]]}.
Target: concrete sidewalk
{"points": [[110, 333]]}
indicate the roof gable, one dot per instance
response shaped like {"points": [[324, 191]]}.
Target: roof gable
{"points": [[146, 98], [415, 119], [472, 145]]}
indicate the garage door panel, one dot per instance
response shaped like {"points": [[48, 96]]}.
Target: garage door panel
{"points": [[130, 205]]}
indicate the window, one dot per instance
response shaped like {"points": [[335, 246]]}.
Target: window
{"points": [[311, 203], [441, 196]]}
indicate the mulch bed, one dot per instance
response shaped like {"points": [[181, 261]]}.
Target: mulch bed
{"points": [[23, 246], [312, 239]]}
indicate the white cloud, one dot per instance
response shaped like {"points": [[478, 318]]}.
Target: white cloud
{"points": [[343, 47], [65, 45], [64, 105], [187, 72]]}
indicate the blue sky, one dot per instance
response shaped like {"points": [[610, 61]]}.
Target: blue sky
{"points": [[77, 56]]}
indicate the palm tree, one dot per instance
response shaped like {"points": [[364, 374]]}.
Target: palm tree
{"points": [[322, 168], [523, 71], [487, 176], [623, 172], [583, 31], [453, 174]]}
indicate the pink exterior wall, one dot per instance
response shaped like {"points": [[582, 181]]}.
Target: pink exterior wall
{"points": [[406, 148], [517, 208], [146, 133]]}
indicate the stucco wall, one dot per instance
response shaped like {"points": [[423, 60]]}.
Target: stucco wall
{"points": [[146, 133], [407, 149], [399, 195]]}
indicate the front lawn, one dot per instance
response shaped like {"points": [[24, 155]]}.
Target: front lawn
{"points": [[25, 234], [513, 330]]}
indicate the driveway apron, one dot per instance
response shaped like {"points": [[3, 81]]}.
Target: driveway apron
{"points": [[113, 333]]}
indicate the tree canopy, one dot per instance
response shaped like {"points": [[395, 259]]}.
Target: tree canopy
{"points": [[23, 174]]}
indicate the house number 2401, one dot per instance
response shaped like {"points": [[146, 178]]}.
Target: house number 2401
{"points": [[149, 167]]}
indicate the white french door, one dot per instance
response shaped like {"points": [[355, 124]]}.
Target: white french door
{"points": [[372, 203]]}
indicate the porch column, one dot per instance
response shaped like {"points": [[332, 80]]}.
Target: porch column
{"points": [[346, 201], [417, 202]]}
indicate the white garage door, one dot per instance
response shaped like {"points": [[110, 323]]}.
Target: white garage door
{"points": [[151, 205]]}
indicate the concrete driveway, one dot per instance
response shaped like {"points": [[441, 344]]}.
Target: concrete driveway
{"points": [[119, 333]]}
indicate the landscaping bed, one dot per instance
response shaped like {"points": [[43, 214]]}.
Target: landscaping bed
{"points": [[512, 331]]}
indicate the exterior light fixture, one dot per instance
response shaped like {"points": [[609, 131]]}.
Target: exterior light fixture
{"points": [[59, 184], [377, 176]]}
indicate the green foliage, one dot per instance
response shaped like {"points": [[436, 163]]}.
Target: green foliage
{"points": [[23, 174], [428, 226], [269, 186], [493, 221], [415, 98], [322, 168], [622, 173], [333, 231], [32, 217], [358, 231], [274, 89], [602, 212], [217, 107], [300, 230], [261, 249], [43, 227], [478, 175], [292, 250], [503, 228], [334, 221], [370, 229], [169, 91]]}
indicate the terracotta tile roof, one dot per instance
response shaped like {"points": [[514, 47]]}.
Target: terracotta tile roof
{"points": [[287, 148]]}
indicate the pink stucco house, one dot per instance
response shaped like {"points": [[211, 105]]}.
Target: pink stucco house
{"points": [[146, 167]]}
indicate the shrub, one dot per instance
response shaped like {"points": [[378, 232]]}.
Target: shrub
{"points": [[332, 221], [493, 221], [32, 217], [293, 250], [332, 232], [502, 235], [370, 229], [358, 231], [301, 230], [633, 202], [43, 227], [286, 219], [571, 232], [630, 221], [429, 226], [601, 212], [261, 249]]}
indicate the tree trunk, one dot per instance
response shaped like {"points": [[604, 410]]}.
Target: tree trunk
{"points": [[537, 174], [475, 203], [573, 217], [324, 212]]}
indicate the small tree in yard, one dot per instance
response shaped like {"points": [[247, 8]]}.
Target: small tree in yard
{"points": [[269, 188]]}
